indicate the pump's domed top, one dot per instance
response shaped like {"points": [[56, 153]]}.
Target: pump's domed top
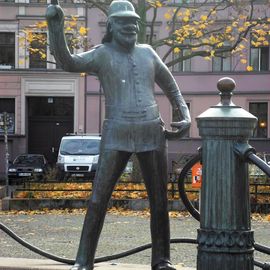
{"points": [[122, 8]]}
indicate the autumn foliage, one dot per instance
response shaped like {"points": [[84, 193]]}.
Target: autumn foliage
{"points": [[204, 29], [34, 37]]}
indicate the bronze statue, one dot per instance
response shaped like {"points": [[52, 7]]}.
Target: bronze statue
{"points": [[128, 72]]}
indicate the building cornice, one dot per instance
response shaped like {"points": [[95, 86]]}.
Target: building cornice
{"points": [[234, 73], [32, 72]]}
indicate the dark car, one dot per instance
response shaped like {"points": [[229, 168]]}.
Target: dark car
{"points": [[28, 166]]}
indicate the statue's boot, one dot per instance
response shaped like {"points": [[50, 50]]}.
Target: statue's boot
{"points": [[163, 266], [81, 267]]}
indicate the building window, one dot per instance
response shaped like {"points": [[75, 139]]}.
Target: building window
{"points": [[175, 118], [260, 110], [182, 66], [7, 50], [221, 63], [38, 51], [8, 105], [259, 58], [7, 1]]}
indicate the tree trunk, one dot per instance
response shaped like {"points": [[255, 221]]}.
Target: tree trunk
{"points": [[141, 10]]}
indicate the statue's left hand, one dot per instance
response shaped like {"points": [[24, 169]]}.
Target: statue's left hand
{"points": [[182, 128]]}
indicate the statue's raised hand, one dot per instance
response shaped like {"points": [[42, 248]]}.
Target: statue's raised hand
{"points": [[55, 13]]}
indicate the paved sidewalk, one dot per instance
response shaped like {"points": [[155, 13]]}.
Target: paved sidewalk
{"points": [[30, 264]]}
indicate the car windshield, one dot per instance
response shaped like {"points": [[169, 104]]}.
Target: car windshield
{"points": [[80, 147], [25, 159]]}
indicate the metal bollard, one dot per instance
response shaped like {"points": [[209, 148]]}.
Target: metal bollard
{"points": [[225, 239]]}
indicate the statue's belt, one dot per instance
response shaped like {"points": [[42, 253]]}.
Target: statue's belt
{"points": [[138, 113]]}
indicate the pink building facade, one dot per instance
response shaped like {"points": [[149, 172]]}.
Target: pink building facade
{"points": [[45, 103]]}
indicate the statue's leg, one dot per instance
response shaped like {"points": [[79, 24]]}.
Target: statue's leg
{"points": [[154, 170], [111, 165]]}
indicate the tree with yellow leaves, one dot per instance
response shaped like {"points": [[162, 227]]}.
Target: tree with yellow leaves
{"points": [[34, 38], [195, 28], [204, 28]]}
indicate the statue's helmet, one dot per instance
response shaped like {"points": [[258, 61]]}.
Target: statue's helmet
{"points": [[122, 8]]}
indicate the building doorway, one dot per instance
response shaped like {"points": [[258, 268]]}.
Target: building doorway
{"points": [[49, 119]]}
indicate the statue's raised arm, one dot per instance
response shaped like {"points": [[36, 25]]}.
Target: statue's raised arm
{"points": [[58, 46]]}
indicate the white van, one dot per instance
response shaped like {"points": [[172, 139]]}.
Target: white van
{"points": [[78, 156]]}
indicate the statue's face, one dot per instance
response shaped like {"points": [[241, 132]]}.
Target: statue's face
{"points": [[124, 31]]}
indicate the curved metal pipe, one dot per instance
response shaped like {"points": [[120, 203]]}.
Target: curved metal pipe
{"points": [[259, 162], [181, 186], [248, 153], [262, 248], [33, 248]]}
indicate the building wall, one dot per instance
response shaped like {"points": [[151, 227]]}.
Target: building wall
{"points": [[198, 86], [21, 82]]}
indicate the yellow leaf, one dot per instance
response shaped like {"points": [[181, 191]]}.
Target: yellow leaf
{"points": [[228, 29], [72, 23], [199, 34], [220, 44], [241, 46], [83, 31], [187, 13], [42, 24], [203, 18], [74, 18], [249, 68], [242, 17], [212, 53], [247, 24], [176, 50], [158, 4], [213, 39], [202, 26], [243, 61], [261, 39], [241, 29], [186, 19], [167, 16]]}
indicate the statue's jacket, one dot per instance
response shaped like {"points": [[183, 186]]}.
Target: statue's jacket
{"points": [[132, 121]]}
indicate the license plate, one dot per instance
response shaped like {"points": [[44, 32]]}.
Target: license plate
{"points": [[78, 175], [24, 174]]}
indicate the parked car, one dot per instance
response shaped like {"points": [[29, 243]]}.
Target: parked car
{"points": [[78, 157], [28, 166]]}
